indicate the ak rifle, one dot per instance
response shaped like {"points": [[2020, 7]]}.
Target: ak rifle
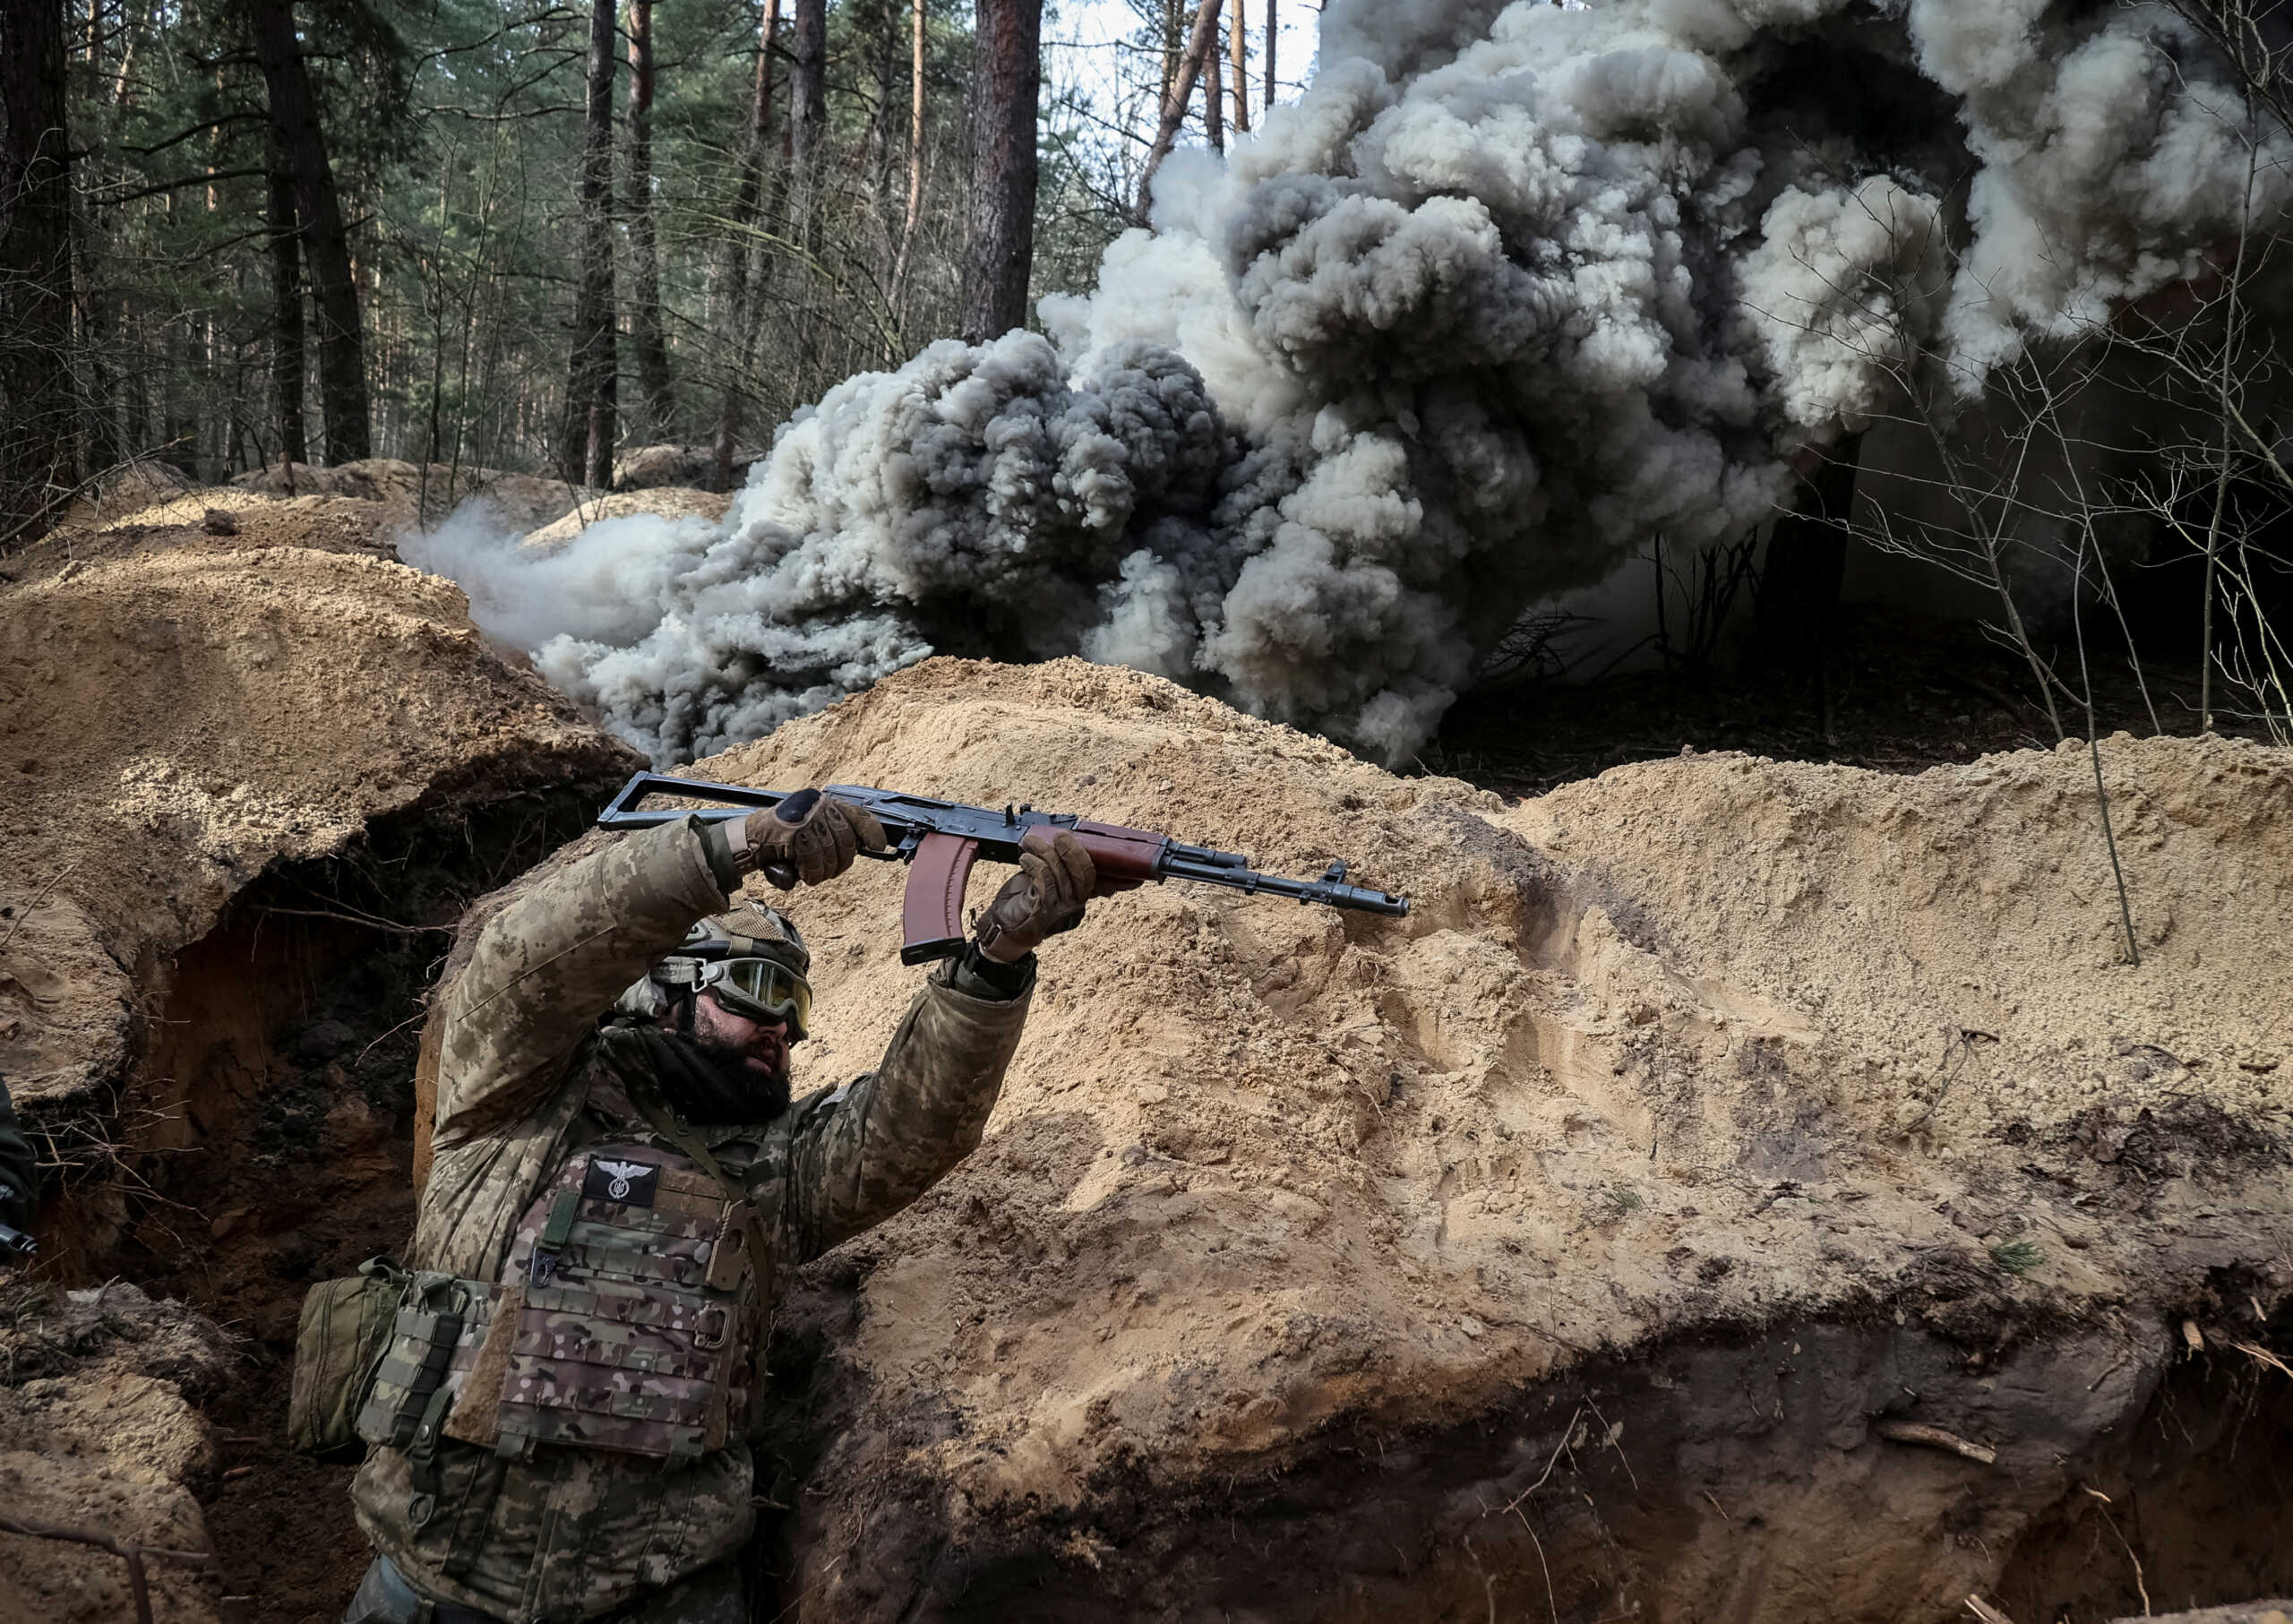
{"points": [[939, 840]]}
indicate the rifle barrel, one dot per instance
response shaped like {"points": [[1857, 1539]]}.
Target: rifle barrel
{"points": [[1329, 893]]}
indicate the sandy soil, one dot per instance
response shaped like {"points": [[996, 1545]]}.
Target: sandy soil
{"points": [[671, 502], [184, 713], [244, 787], [412, 495], [1665, 1220], [97, 1435], [1698, 1045]]}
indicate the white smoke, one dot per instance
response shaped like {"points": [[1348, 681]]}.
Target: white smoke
{"points": [[1508, 290]]}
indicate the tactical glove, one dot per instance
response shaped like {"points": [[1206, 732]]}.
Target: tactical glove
{"points": [[807, 838], [1056, 878]]}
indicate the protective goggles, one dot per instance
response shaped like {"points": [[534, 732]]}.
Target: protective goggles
{"points": [[762, 989]]}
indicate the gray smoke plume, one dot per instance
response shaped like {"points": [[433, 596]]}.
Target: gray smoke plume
{"points": [[1508, 290]]}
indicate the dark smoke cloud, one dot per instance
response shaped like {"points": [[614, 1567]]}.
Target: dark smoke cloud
{"points": [[1508, 290]]}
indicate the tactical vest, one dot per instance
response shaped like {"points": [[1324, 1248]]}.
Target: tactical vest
{"points": [[624, 1320], [632, 1327]]}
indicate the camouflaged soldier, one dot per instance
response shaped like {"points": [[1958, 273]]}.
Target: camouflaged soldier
{"points": [[620, 1189]]}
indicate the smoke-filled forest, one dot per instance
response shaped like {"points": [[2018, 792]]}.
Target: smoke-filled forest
{"points": [[1619, 673], [1339, 396]]}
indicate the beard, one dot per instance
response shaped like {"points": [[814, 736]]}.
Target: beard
{"points": [[714, 1084]]}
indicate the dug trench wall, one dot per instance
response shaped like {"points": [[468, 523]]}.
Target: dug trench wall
{"points": [[1739, 1190], [1663, 1221], [249, 780]]}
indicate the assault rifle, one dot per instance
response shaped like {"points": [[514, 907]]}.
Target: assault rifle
{"points": [[939, 840], [15, 1243]]}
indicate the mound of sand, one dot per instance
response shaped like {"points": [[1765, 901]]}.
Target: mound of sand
{"points": [[1614, 1222], [97, 1434], [656, 467], [412, 493], [185, 712], [670, 501]]}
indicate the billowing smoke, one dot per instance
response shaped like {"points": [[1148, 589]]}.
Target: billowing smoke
{"points": [[1508, 291]]}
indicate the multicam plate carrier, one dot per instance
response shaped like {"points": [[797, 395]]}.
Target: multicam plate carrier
{"points": [[618, 1323]]}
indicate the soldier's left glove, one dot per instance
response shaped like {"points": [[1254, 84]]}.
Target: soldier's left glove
{"points": [[1056, 878], [809, 838]]}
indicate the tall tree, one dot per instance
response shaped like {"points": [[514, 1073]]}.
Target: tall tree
{"points": [[645, 263], [286, 362], [915, 126], [1200, 46], [38, 461], [808, 94], [592, 375], [740, 295], [1006, 88], [325, 245], [1214, 97], [1240, 29], [1272, 22]]}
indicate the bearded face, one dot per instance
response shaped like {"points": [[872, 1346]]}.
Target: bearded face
{"points": [[734, 1069]]}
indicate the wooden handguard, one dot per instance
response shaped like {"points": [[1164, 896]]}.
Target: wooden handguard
{"points": [[932, 913]]}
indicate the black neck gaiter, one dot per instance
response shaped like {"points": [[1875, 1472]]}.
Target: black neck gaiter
{"points": [[710, 1085]]}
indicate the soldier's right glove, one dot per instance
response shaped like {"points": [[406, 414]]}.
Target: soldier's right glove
{"points": [[1056, 878], [807, 838]]}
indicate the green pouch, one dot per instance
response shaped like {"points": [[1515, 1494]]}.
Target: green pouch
{"points": [[344, 1331], [433, 1334]]}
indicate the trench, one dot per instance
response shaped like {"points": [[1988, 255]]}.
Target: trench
{"points": [[266, 1139], [1730, 1477]]}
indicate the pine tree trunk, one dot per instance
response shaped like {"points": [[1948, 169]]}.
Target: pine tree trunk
{"points": [[38, 420], [645, 293], [325, 245], [592, 374], [98, 398], [739, 295], [1214, 97], [286, 362], [1272, 22], [1171, 32], [914, 128], [1006, 86], [1240, 29], [1797, 607], [1200, 46], [808, 94]]}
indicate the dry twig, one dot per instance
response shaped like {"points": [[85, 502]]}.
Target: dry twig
{"points": [[1935, 1437], [138, 1583]]}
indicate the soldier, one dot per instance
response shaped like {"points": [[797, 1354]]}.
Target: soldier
{"points": [[620, 1190]]}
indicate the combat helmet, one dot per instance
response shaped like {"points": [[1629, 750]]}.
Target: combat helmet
{"points": [[753, 958]]}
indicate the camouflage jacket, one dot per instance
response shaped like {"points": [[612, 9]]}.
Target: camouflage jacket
{"points": [[523, 1088]]}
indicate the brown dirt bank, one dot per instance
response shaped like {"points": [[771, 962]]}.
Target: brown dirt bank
{"points": [[245, 789], [1587, 1243], [1595, 1241]]}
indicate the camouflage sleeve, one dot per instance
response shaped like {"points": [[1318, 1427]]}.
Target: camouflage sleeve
{"points": [[548, 965], [857, 1160], [19, 1170]]}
